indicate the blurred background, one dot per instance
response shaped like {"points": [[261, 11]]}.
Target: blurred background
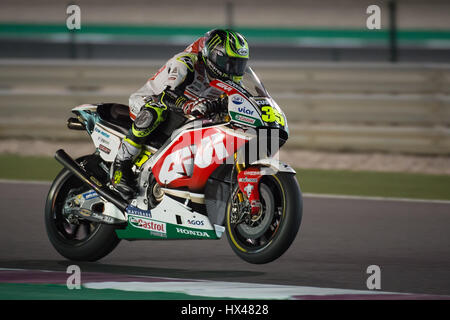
{"points": [[355, 98]]}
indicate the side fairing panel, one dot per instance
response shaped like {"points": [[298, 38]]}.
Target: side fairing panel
{"points": [[194, 155]]}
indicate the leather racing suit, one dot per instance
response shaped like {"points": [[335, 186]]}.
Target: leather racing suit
{"points": [[181, 83]]}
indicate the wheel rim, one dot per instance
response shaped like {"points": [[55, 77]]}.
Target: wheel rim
{"points": [[73, 234], [259, 224], [257, 235]]}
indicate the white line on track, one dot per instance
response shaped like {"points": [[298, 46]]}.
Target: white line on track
{"points": [[222, 289], [34, 182]]}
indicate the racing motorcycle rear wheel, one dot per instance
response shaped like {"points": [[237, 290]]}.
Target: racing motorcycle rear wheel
{"points": [[265, 237], [78, 239]]}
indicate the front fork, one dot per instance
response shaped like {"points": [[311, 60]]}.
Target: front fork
{"points": [[248, 181]]}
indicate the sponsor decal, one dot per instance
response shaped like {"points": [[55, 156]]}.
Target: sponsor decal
{"points": [[245, 119], [230, 87], [242, 51], [248, 183], [180, 162], [103, 133], [248, 189], [104, 149], [253, 173], [104, 141], [155, 227], [94, 180], [248, 179], [196, 222], [215, 69], [262, 102], [138, 212], [193, 232], [102, 217], [238, 100], [90, 195], [245, 110], [85, 212], [235, 85], [224, 86]]}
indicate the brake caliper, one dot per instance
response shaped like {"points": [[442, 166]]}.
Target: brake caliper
{"points": [[248, 180]]}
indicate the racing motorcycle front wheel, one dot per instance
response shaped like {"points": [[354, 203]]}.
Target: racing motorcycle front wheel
{"points": [[264, 237]]}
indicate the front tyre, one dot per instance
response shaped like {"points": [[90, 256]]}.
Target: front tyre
{"points": [[266, 237], [80, 240]]}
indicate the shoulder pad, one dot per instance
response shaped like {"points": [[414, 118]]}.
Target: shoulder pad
{"points": [[188, 59]]}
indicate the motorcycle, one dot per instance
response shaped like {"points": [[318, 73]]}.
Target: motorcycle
{"points": [[196, 179]]}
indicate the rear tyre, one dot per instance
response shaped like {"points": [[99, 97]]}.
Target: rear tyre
{"points": [[81, 241], [266, 238]]}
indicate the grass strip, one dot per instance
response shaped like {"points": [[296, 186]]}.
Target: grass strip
{"points": [[375, 184], [17, 167], [342, 182]]}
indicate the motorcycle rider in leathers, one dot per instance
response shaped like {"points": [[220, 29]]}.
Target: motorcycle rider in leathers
{"points": [[183, 82]]}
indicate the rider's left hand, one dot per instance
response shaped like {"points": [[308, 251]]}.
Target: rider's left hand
{"points": [[201, 107]]}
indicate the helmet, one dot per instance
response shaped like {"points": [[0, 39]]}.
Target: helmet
{"points": [[225, 54]]}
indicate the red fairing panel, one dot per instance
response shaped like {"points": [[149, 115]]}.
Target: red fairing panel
{"points": [[193, 157], [229, 90]]}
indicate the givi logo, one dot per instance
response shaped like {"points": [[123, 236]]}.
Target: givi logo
{"points": [[181, 162], [224, 86]]}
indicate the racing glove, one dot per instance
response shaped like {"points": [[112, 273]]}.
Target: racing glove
{"points": [[201, 107]]}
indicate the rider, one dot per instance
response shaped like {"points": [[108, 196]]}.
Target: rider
{"points": [[183, 82]]}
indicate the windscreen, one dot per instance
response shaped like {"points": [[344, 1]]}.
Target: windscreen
{"points": [[252, 84]]}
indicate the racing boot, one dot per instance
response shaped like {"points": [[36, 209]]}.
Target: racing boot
{"points": [[124, 180]]}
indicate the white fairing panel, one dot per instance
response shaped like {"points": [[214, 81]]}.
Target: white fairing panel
{"points": [[107, 141], [272, 166], [167, 210], [242, 110]]}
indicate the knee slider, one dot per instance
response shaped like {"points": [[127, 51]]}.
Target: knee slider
{"points": [[142, 125], [144, 119]]}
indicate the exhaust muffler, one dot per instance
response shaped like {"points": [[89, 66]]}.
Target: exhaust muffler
{"points": [[101, 190]]}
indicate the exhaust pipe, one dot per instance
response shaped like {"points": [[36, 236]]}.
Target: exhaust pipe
{"points": [[75, 124], [101, 190]]}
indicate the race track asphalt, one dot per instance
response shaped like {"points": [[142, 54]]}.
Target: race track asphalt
{"points": [[338, 239]]}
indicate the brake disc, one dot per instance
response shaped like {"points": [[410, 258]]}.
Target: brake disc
{"points": [[255, 228]]}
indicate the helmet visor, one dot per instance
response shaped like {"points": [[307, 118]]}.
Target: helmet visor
{"points": [[228, 65]]}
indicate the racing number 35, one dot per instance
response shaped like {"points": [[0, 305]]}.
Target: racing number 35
{"points": [[272, 115]]}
